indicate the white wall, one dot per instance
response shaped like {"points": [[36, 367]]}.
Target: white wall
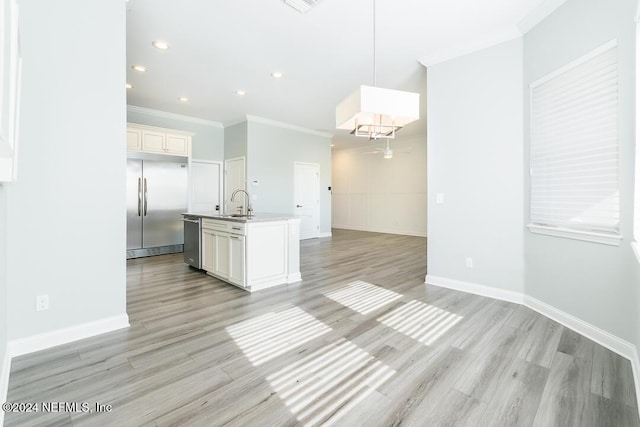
{"points": [[478, 145], [235, 141], [4, 370], [65, 226], [591, 281], [272, 150], [371, 193], [207, 142], [474, 142]]}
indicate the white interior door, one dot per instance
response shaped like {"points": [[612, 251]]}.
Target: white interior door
{"points": [[234, 179], [206, 186], [307, 198]]}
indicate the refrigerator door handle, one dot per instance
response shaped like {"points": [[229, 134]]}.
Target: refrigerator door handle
{"points": [[139, 196], [145, 197]]}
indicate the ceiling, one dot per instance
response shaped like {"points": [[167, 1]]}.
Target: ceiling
{"points": [[218, 47]]}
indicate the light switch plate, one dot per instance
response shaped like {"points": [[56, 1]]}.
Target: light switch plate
{"points": [[439, 198]]}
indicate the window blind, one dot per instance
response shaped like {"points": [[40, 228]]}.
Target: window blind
{"points": [[574, 145]]}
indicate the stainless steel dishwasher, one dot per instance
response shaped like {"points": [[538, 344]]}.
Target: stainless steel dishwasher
{"points": [[192, 233]]}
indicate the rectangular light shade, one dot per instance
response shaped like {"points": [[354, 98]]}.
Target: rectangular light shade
{"points": [[370, 105]]}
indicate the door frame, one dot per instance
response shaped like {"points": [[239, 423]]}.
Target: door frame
{"points": [[317, 166], [244, 181]]}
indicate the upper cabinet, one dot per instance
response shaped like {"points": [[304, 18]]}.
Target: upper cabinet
{"points": [[134, 139], [150, 139]]}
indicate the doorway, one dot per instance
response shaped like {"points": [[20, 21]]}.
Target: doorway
{"points": [[234, 179], [307, 198], [206, 186]]}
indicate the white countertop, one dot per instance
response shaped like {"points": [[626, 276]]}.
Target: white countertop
{"points": [[256, 217]]}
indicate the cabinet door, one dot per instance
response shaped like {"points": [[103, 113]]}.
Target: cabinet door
{"points": [[222, 255], [134, 140], [153, 141], [208, 251], [236, 260], [177, 144]]}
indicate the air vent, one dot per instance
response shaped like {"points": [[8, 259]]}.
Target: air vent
{"points": [[302, 6]]}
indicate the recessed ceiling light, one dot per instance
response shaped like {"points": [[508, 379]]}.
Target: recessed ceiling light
{"points": [[140, 68], [160, 44], [333, 145], [129, 86], [277, 75], [240, 92], [183, 99]]}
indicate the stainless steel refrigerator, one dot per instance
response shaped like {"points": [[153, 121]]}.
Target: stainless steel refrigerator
{"points": [[157, 188]]}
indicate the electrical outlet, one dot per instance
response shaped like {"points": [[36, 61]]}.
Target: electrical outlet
{"points": [[42, 302], [469, 262]]}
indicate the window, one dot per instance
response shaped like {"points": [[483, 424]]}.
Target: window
{"points": [[574, 150]]}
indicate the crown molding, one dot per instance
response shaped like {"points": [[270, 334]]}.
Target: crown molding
{"points": [[173, 116], [458, 50], [536, 16], [234, 122], [256, 119]]}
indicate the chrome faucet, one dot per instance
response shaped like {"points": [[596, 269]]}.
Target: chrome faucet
{"points": [[249, 208]]}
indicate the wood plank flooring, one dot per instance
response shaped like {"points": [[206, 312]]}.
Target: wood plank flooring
{"points": [[361, 341]]}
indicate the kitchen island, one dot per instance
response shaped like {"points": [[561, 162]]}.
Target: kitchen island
{"points": [[253, 253]]}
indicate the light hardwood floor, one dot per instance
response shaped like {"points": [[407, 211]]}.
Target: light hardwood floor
{"points": [[361, 341]]}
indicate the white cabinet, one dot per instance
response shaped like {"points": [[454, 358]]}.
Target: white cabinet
{"points": [[252, 255], [149, 139], [237, 260], [222, 254], [134, 139], [153, 142], [177, 144], [223, 250], [208, 250]]}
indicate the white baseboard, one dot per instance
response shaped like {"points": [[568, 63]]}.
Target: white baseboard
{"points": [[66, 335], [635, 364], [293, 278], [600, 336], [473, 288], [321, 235], [5, 369], [382, 230]]}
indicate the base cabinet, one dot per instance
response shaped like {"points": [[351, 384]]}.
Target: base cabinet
{"points": [[222, 254], [237, 260], [208, 243], [251, 255]]}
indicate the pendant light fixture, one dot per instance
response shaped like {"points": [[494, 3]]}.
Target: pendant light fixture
{"points": [[387, 153], [375, 112]]}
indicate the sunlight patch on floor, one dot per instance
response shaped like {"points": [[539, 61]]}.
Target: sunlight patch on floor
{"points": [[423, 322], [363, 297], [329, 382], [267, 336]]}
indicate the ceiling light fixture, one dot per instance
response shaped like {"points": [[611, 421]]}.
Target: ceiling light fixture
{"points": [[375, 112], [129, 86], [140, 68], [183, 99], [302, 6], [159, 44], [240, 92], [277, 75]]}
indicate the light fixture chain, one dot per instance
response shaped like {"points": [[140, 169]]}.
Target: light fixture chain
{"points": [[374, 45]]}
